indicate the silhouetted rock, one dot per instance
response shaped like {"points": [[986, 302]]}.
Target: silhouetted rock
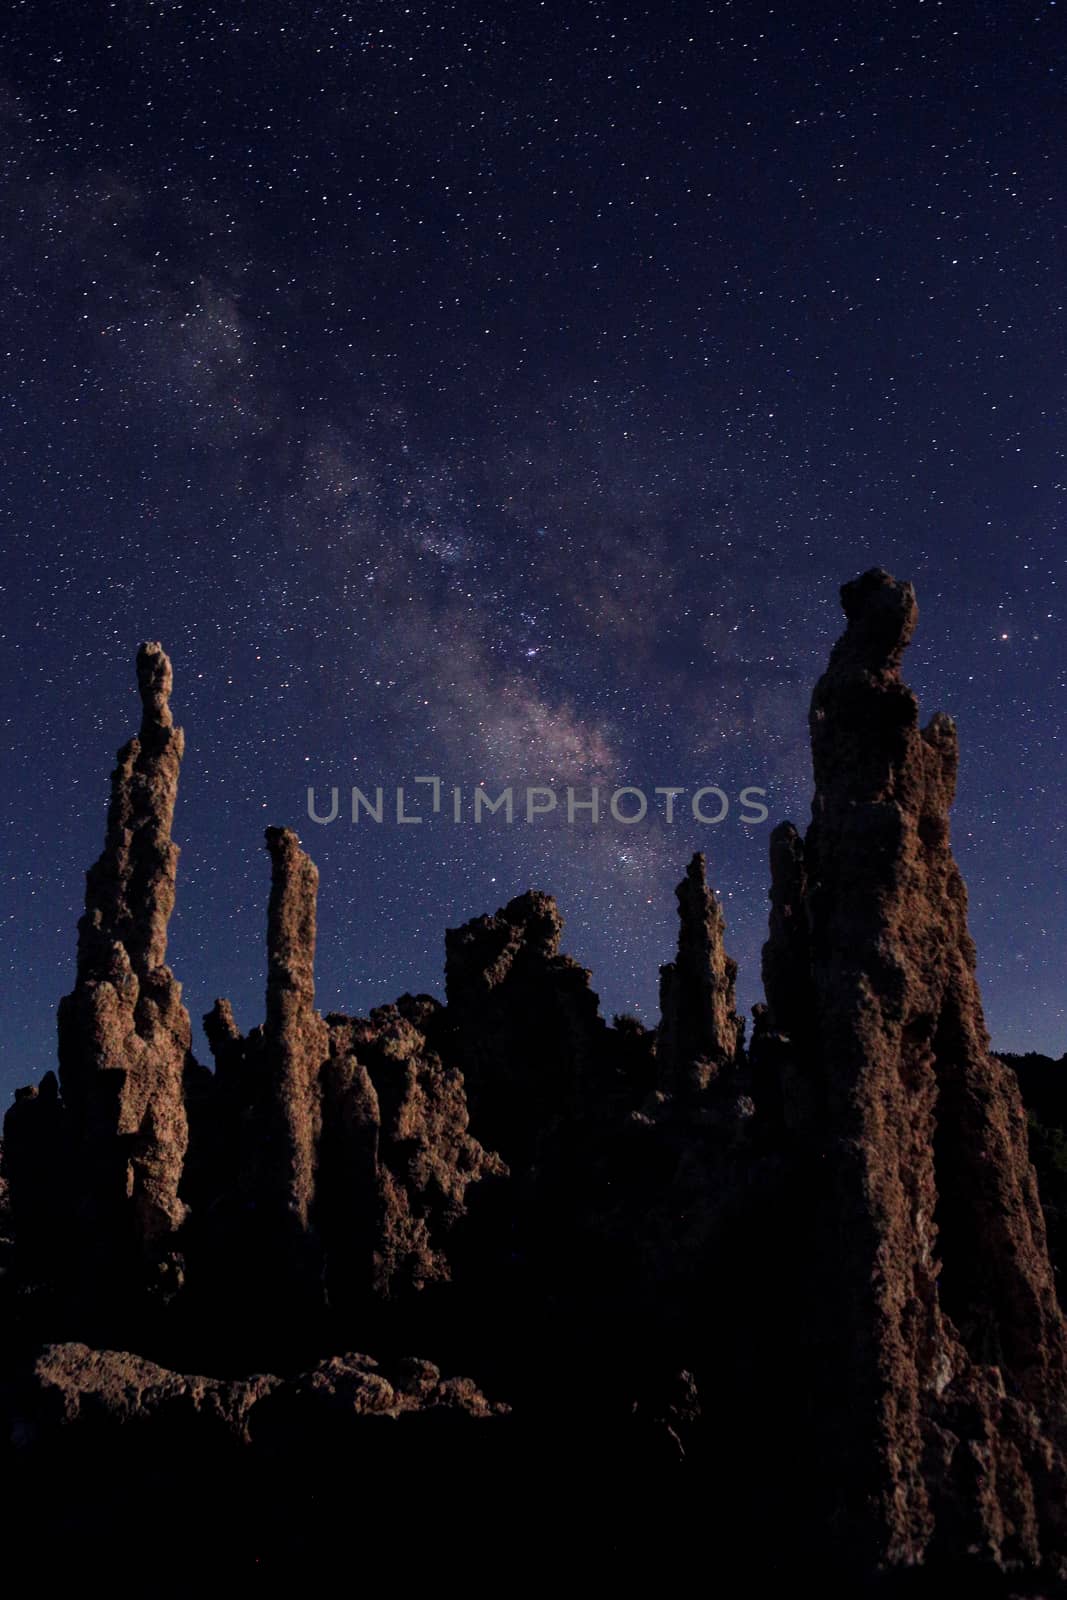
{"points": [[115, 1151], [796, 1302], [786, 957], [293, 1051], [336, 1152], [398, 1157], [933, 1306], [35, 1178], [526, 1025], [700, 1031]]}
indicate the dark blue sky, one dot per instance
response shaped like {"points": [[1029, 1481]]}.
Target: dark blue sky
{"points": [[503, 393]]}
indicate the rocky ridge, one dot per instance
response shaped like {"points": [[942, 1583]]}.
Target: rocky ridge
{"points": [[819, 1263]]}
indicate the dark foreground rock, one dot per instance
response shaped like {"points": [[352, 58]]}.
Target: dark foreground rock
{"points": [[932, 1299], [73, 1385], [157, 1476], [784, 1313]]}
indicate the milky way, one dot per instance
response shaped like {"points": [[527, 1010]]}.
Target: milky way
{"points": [[503, 394]]}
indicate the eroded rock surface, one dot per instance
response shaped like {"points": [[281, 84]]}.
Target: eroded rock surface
{"points": [[933, 1301], [700, 1031], [72, 1383], [347, 1154], [107, 1163], [818, 1266]]}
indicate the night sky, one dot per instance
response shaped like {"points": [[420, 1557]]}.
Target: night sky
{"points": [[503, 392]]}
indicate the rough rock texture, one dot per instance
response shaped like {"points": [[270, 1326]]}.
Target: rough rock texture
{"points": [[934, 1305], [700, 1031], [400, 1157], [72, 1383], [257, 1126], [116, 1151], [295, 1038], [121, 1465], [794, 1302], [336, 1154], [321, 1167], [294, 1049]]}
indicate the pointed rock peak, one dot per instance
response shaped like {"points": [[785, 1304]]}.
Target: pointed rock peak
{"points": [[693, 889], [291, 914], [698, 1021], [919, 1133], [863, 718], [124, 1035], [155, 679], [882, 614], [787, 863], [220, 1027], [787, 868], [131, 887], [284, 846], [481, 953], [294, 876], [538, 915], [295, 1046], [941, 735], [699, 909], [940, 727]]}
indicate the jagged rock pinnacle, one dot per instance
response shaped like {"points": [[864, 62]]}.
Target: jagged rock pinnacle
{"points": [[699, 1030], [295, 1037], [155, 681], [938, 1313], [527, 1021], [837, 1251], [290, 926], [124, 1035]]}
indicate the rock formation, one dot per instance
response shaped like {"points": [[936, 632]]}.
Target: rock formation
{"points": [[123, 1465], [345, 1156], [121, 1390], [700, 1031], [794, 1301], [935, 1308], [295, 1038], [114, 1151], [785, 955], [527, 1024]]}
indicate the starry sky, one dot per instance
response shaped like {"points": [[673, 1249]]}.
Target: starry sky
{"points": [[503, 392]]}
